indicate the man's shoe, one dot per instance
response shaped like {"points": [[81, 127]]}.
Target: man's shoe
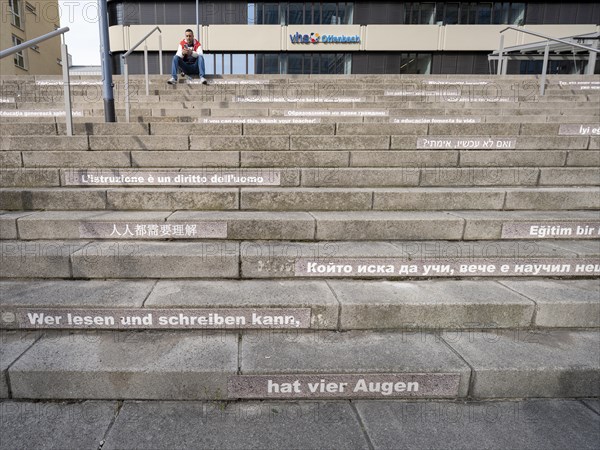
{"points": [[172, 81], [203, 80]]}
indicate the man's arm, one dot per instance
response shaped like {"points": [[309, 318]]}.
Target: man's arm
{"points": [[180, 51], [198, 52]]}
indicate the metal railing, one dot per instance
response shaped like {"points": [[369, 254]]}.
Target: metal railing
{"points": [[126, 66], [502, 63], [64, 54]]}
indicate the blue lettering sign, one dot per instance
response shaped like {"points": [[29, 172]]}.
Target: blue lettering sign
{"points": [[315, 38]]}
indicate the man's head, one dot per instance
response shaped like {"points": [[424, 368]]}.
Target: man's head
{"points": [[189, 36]]}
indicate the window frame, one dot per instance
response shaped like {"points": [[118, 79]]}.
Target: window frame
{"points": [[16, 18], [19, 56]]}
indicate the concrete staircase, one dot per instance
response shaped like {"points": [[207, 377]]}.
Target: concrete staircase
{"points": [[301, 237]]}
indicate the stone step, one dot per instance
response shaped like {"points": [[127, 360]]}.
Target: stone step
{"points": [[301, 199], [555, 81], [331, 86], [214, 129], [351, 99], [370, 169], [566, 82], [358, 424], [322, 167], [328, 116], [288, 259], [316, 93], [295, 94], [228, 366], [301, 226], [491, 89], [319, 305], [261, 109], [521, 87], [297, 142]]}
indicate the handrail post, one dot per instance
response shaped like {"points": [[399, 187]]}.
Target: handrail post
{"points": [[144, 41], [67, 88], [160, 61], [500, 53], [126, 73], [146, 68], [545, 69], [589, 70]]}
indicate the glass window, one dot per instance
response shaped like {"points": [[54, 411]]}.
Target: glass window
{"points": [[227, 63], [346, 13], [500, 13], [238, 64], [427, 13], [19, 57], [296, 14], [417, 63], [307, 64], [271, 13], [347, 64], [295, 63], [259, 62], [251, 63], [517, 13], [218, 63], [173, 14], [15, 9], [423, 65], [308, 16], [414, 13], [148, 14], [472, 13], [258, 14], [251, 13], [464, 13], [271, 63], [316, 13], [408, 61], [329, 14], [209, 63], [327, 62], [451, 17], [340, 63], [115, 14], [484, 14], [316, 63]]}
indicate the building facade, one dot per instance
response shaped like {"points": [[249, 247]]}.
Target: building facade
{"points": [[347, 37], [24, 20]]}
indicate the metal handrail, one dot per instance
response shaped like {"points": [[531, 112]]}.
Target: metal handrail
{"points": [[29, 43], [522, 30], [126, 66], [502, 66], [65, 65]]}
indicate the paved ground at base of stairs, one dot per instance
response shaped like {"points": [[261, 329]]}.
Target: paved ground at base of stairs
{"points": [[377, 424]]}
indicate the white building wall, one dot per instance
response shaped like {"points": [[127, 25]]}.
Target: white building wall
{"points": [[402, 38]]}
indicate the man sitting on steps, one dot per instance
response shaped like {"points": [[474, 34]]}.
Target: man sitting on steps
{"points": [[188, 59]]}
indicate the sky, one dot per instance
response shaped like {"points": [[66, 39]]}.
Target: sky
{"points": [[83, 39]]}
